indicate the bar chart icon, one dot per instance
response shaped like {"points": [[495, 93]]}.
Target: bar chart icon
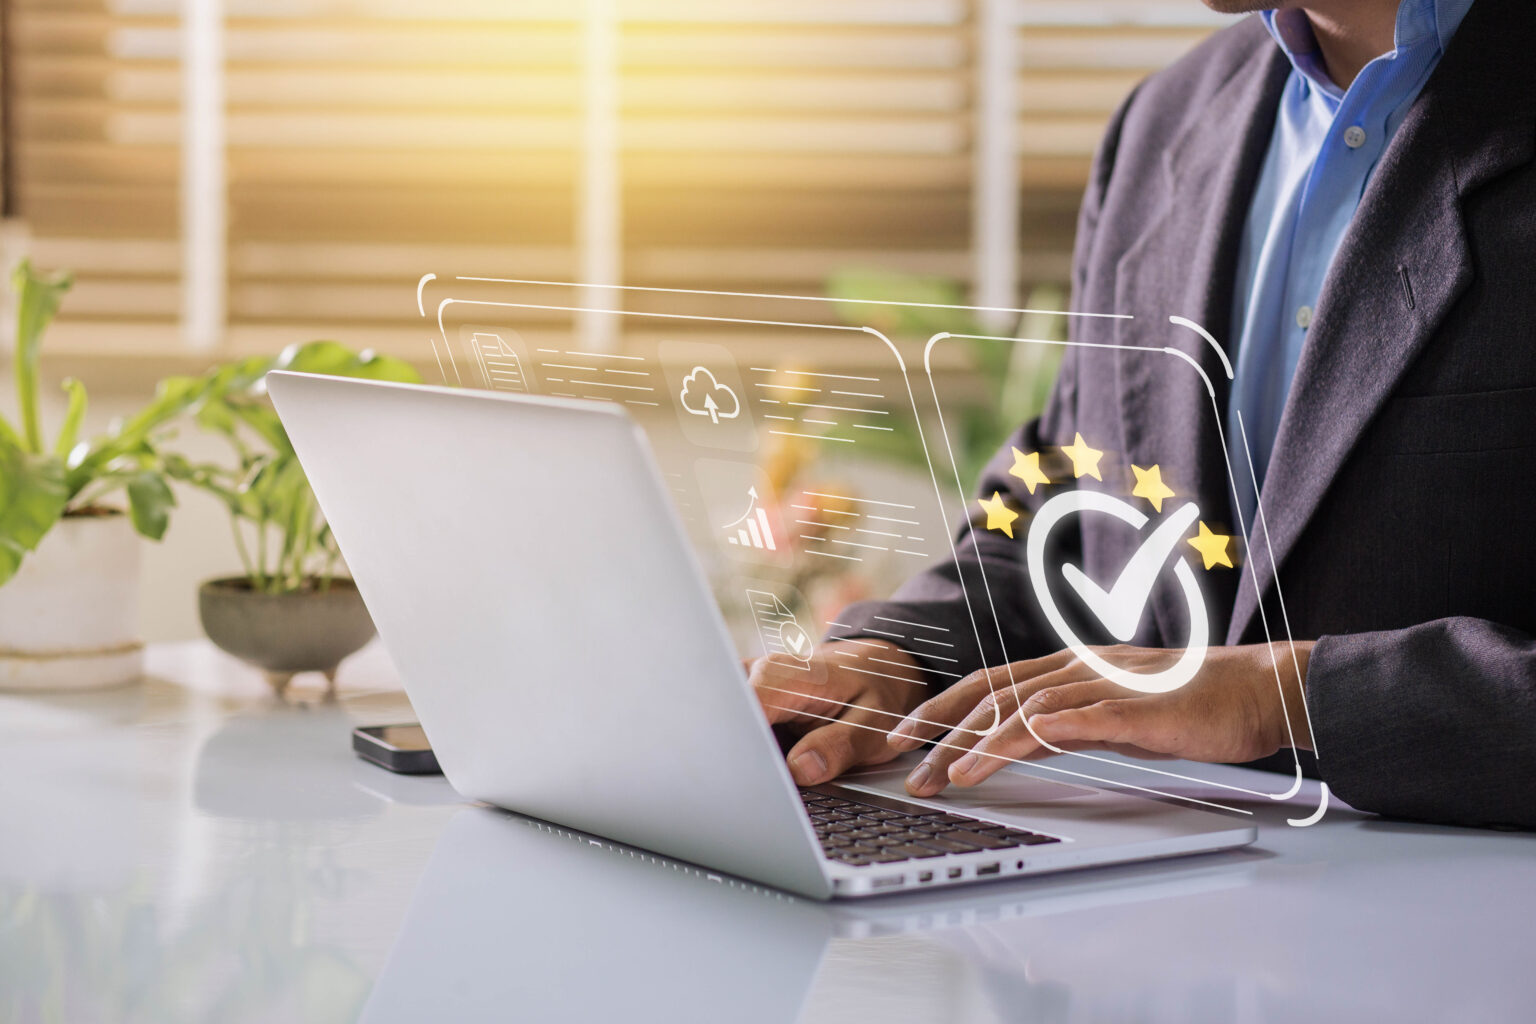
{"points": [[751, 529]]}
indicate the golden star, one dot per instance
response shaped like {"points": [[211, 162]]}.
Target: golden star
{"points": [[999, 515], [1149, 485], [1027, 468], [1212, 547], [1085, 460]]}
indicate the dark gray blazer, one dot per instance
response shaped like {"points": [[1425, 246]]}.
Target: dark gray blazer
{"points": [[1401, 496]]}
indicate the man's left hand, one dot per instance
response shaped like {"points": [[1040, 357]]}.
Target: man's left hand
{"points": [[1232, 710]]}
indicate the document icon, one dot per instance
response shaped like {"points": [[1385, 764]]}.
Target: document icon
{"points": [[777, 628], [500, 357], [501, 366]]}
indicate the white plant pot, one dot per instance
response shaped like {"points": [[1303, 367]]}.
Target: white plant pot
{"points": [[69, 618]]}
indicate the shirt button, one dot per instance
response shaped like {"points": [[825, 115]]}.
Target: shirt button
{"points": [[1354, 136], [1304, 317]]}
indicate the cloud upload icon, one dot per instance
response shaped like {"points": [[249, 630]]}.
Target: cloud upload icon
{"points": [[703, 395]]}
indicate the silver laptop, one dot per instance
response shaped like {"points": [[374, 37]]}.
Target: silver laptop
{"points": [[556, 636]]}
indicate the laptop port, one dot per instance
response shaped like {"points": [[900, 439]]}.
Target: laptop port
{"points": [[956, 872], [925, 876], [886, 881], [988, 869]]}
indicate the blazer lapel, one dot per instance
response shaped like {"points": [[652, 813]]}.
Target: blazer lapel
{"points": [[1370, 324], [1183, 265]]}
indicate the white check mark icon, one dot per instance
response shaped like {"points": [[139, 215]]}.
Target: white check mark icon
{"points": [[1120, 608]]}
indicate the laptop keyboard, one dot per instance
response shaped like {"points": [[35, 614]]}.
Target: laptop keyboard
{"points": [[860, 828]]}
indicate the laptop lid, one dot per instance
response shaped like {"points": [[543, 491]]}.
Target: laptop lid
{"points": [[552, 626]]}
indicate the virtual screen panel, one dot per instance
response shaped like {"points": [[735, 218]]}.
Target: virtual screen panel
{"points": [[816, 464]]}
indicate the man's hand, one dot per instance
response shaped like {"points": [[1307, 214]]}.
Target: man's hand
{"points": [[1231, 711], [867, 688]]}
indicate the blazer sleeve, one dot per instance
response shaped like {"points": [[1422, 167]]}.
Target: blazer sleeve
{"points": [[1435, 722], [987, 560]]}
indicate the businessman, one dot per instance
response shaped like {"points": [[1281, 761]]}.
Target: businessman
{"points": [[1343, 193]]}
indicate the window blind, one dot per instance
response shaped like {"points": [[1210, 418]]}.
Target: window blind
{"points": [[762, 146]]}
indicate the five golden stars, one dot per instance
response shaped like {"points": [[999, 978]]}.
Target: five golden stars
{"points": [[1214, 547], [1027, 468], [999, 515]]}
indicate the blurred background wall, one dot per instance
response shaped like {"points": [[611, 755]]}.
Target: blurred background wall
{"points": [[229, 176]]}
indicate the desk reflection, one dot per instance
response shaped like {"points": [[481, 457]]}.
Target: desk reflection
{"points": [[517, 919]]}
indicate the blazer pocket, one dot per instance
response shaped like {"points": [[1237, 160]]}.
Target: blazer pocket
{"points": [[1469, 421]]}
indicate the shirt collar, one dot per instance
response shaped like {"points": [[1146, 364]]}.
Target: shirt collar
{"points": [[1418, 22]]}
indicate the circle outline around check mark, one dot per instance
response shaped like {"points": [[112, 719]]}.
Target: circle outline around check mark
{"points": [[788, 624], [1163, 681]]}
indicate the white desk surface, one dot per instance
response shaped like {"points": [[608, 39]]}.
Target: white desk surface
{"points": [[189, 850]]}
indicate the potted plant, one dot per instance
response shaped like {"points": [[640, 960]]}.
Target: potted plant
{"points": [[69, 560], [289, 612]]}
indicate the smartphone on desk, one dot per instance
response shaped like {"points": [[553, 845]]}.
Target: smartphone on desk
{"points": [[400, 748]]}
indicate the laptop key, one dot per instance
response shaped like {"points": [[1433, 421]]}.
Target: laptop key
{"points": [[860, 833], [914, 852], [1016, 834], [907, 837], [976, 839], [951, 819], [944, 845], [1037, 840]]}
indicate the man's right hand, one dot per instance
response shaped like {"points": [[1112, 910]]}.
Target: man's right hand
{"points": [[854, 693]]}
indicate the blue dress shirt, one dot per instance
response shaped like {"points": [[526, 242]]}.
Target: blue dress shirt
{"points": [[1325, 144]]}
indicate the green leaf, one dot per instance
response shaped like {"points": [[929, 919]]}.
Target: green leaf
{"points": [[327, 357], [32, 498], [173, 397], [336, 360], [150, 501], [216, 416], [238, 377], [38, 298], [373, 366], [9, 436], [264, 421], [70, 431], [207, 477]]}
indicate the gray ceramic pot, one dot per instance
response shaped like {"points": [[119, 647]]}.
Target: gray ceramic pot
{"points": [[284, 634]]}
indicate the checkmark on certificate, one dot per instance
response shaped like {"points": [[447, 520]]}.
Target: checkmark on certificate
{"points": [[1120, 607]]}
